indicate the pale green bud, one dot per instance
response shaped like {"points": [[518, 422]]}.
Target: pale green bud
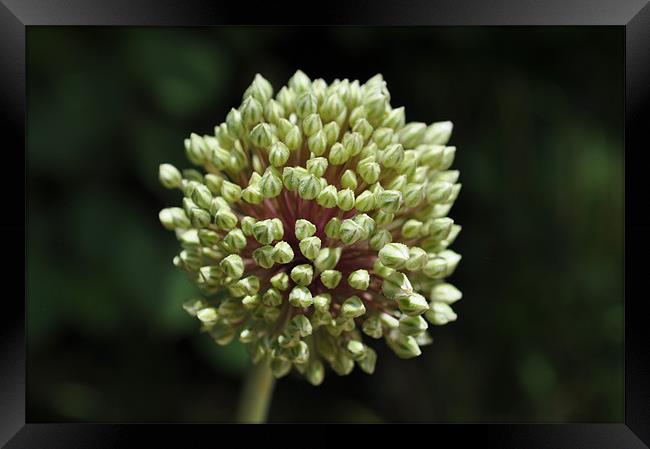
{"points": [[247, 225], [330, 278], [251, 111], [278, 154], [353, 143], [445, 293], [411, 229], [280, 281], [312, 124], [299, 82], [195, 149], [262, 135], [207, 315], [190, 174], [315, 372], [332, 107], [383, 218], [389, 201], [417, 260], [235, 123], [265, 231], [273, 111], [333, 228], [317, 143], [252, 194], [200, 218], [282, 252], [439, 228], [299, 326], [369, 172], [414, 304], [293, 138], [365, 201], [359, 279], [304, 228], [272, 298], [383, 137], [306, 104], [342, 364], [395, 119], [300, 297], [214, 183], [208, 237], [411, 134], [412, 325], [452, 259], [310, 247], [349, 180], [234, 241], [448, 155], [212, 275], [368, 362], [372, 327], [332, 131], [438, 133], [291, 178], [174, 218], [440, 314], [302, 274], [351, 232], [202, 196], [375, 104], [169, 176], [300, 353], [363, 128], [263, 256], [319, 89], [309, 187], [345, 199], [396, 286], [380, 239], [438, 192], [233, 265], [394, 255], [352, 307], [250, 284], [280, 368], [338, 154], [230, 191], [286, 98], [271, 183], [317, 166], [393, 155], [404, 346], [327, 259], [414, 194], [435, 268], [327, 197], [398, 183], [356, 349]]}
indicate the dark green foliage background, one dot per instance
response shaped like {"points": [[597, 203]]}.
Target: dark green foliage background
{"points": [[538, 116]]}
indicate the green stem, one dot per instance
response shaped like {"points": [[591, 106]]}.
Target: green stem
{"points": [[256, 397]]}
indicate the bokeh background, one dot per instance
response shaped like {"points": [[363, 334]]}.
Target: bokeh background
{"points": [[538, 116]]}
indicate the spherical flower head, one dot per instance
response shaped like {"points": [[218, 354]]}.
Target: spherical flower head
{"points": [[319, 219]]}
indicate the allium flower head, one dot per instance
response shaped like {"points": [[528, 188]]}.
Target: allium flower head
{"points": [[318, 215]]}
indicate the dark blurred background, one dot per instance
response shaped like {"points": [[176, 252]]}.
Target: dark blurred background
{"points": [[538, 116]]}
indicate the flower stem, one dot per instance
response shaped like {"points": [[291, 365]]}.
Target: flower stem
{"points": [[256, 397]]}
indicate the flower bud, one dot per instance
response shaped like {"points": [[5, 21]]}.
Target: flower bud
{"points": [[306, 104], [411, 134], [412, 325], [397, 286], [299, 82], [365, 201], [312, 124], [404, 346], [445, 293], [330, 278], [300, 297], [282, 253], [233, 266], [317, 166], [350, 232], [280, 281], [230, 191], [278, 154], [251, 111], [372, 327], [359, 279], [439, 314], [261, 136], [309, 187], [328, 197], [310, 247], [333, 228], [353, 143], [349, 180], [271, 183], [369, 172], [332, 131], [272, 297], [327, 259], [356, 349], [413, 304], [273, 111], [317, 143], [394, 255], [345, 199], [200, 218], [169, 176], [234, 241], [338, 154], [394, 119], [392, 156], [438, 133], [380, 239], [264, 256], [174, 218], [315, 372], [389, 200], [352, 307], [363, 128], [302, 274]]}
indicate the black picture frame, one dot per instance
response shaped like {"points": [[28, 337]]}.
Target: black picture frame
{"points": [[633, 15]]}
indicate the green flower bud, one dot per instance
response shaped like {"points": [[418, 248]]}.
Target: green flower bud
{"points": [[282, 253], [293, 138], [280, 281], [352, 307], [332, 131], [411, 134], [438, 133], [417, 260], [349, 180], [328, 197], [235, 123], [330, 278], [299, 82], [304, 228], [440, 313], [207, 315], [389, 200], [278, 154], [312, 124], [317, 143], [251, 111], [261, 135], [438, 192], [306, 104], [414, 194], [252, 195], [299, 326], [363, 128], [445, 293], [414, 304], [202, 196], [315, 372], [290, 178], [338, 154], [356, 349], [317, 166], [200, 218], [372, 327], [365, 201], [263, 256], [392, 156], [351, 232], [383, 137], [271, 183], [412, 325], [208, 237], [359, 279], [435, 268], [411, 229], [233, 266], [273, 111], [174, 218], [452, 259], [333, 228], [230, 191], [272, 298], [404, 346], [380, 239], [214, 183], [369, 172], [394, 119], [169, 176], [353, 143], [345, 199], [300, 297], [310, 247], [394, 255], [397, 286], [302, 274], [327, 259], [375, 104], [309, 187], [234, 241]]}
